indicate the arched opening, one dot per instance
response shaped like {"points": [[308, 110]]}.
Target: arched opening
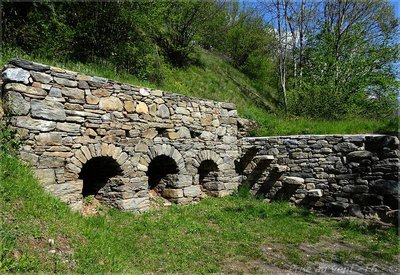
{"points": [[208, 175], [96, 172], [162, 170], [242, 164]]}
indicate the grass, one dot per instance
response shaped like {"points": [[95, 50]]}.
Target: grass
{"points": [[230, 234], [214, 78], [272, 125], [101, 69]]}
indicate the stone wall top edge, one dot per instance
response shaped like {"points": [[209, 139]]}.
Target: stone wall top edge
{"points": [[39, 67], [313, 136]]}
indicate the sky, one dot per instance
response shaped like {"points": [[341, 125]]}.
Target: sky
{"points": [[396, 4]]}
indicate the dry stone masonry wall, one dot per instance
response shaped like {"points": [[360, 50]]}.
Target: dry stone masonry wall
{"points": [[354, 174], [121, 143], [128, 146]]}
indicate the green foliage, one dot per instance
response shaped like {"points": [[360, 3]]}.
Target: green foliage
{"points": [[342, 70], [99, 32], [355, 85], [247, 36], [244, 191], [349, 71], [89, 199], [9, 142], [178, 32], [143, 38]]}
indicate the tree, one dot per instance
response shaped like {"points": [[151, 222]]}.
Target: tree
{"points": [[246, 34], [342, 55], [301, 20], [349, 68], [180, 30], [293, 22]]}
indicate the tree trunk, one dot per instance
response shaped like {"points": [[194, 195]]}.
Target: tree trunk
{"points": [[282, 50]]}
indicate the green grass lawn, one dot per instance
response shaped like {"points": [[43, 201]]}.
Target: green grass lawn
{"points": [[230, 234], [216, 79]]}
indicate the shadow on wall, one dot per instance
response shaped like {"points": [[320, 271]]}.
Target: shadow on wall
{"points": [[208, 176], [355, 175], [162, 173], [96, 172]]}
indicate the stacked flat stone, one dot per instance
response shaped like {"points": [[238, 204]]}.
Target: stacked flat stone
{"points": [[67, 118], [350, 174]]}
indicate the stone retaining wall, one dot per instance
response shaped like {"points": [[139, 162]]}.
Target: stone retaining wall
{"points": [[129, 145], [350, 174], [69, 121]]}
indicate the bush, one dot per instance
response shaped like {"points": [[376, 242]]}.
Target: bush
{"points": [[140, 59]]}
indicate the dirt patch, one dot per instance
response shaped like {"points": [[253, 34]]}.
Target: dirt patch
{"points": [[316, 258], [90, 207], [273, 261], [157, 201], [327, 245], [55, 253], [254, 267], [261, 267]]}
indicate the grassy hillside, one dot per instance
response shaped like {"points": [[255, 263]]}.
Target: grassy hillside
{"points": [[214, 78], [232, 234]]}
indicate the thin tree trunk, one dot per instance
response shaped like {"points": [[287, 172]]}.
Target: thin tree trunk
{"points": [[285, 20], [292, 26], [301, 38], [282, 54], [1, 29]]}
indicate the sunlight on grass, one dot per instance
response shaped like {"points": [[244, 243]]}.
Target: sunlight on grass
{"points": [[198, 238], [214, 79], [273, 125]]}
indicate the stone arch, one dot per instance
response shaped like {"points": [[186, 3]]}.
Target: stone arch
{"points": [[208, 166], [162, 173], [165, 166], [208, 172], [86, 153], [96, 173], [208, 155], [167, 150], [88, 159]]}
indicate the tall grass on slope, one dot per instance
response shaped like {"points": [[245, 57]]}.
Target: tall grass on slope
{"points": [[102, 69], [215, 79], [274, 125]]}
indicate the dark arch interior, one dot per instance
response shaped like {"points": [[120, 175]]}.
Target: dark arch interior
{"points": [[160, 171], [240, 166], [96, 172], [208, 173]]}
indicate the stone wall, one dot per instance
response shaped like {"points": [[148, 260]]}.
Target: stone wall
{"points": [[80, 129], [128, 145], [350, 174]]}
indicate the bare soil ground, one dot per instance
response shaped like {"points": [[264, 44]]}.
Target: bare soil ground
{"points": [[273, 261]]}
